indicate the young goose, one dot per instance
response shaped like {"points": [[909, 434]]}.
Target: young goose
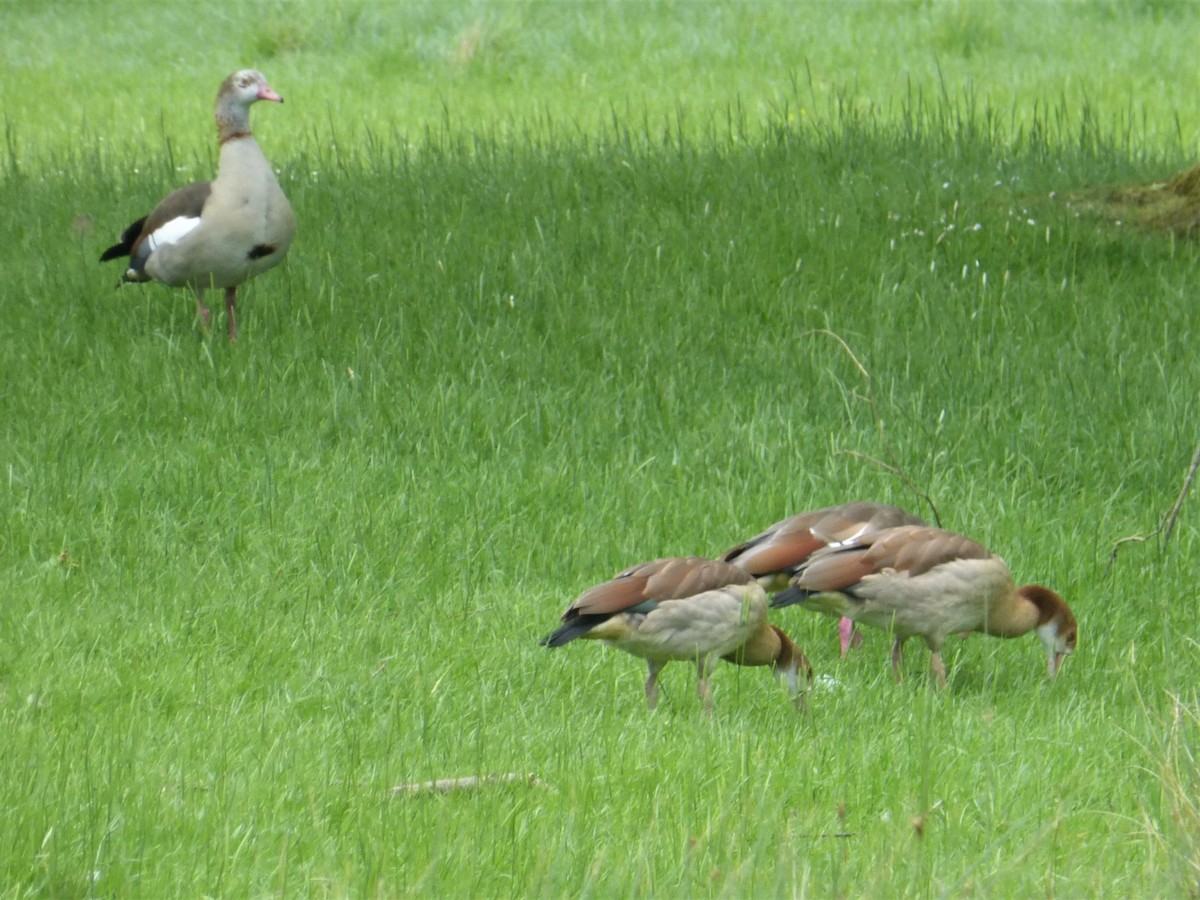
{"points": [[774, 556], [220, 233], [689, 609], [917, 580]]}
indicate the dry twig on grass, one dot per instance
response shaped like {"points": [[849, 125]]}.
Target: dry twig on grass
{"points": [[891, 464], [1167, 526], [1170, 207], [468, 782]]}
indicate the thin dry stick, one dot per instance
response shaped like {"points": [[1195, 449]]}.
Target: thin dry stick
{"points": [[1183, 492], [827, 834], [1167, 526], [869, 398], [446, 785], [1116, 547]]}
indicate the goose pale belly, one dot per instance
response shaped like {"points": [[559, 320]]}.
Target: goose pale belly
{"points": [[953, 597], [246, 228], [714, 623]]}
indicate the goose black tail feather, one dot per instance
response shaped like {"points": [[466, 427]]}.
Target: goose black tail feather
{"points": [[568, 631], [125, 246], [789, 596]]}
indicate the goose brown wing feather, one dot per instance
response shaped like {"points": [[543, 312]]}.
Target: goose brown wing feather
{"points": [[834, 570], [787, 544], [186, 202], [774, 551], [915, 550], [846, 522], [672, 578], [687, 576], [611, 597], [911, 549]]}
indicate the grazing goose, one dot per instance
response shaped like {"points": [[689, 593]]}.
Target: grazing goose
{"points": [[220, 233], [917, 580], [685, 608], [774, 556]]}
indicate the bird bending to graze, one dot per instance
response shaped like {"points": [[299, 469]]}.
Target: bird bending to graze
{"points": [[921, 581], [774, 556], [220, 233], [689, 609]]}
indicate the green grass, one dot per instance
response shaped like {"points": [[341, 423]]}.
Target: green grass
{"points": [[248, 589], [397, 68]]}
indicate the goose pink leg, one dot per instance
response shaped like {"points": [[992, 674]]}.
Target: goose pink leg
{"points": [[652, 683], [897, 658], [202, 312], [230, 308], [848, 636]]}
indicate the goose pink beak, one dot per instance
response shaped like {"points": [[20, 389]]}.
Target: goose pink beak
{"points": [[265, 93], [1055, 662]]}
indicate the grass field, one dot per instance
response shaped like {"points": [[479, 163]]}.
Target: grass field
{"points": [[538, 327]]}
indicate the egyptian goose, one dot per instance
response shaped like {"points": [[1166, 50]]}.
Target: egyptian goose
{"points": [[774, 556], [917, 580], [690, 609], [220, 233]]}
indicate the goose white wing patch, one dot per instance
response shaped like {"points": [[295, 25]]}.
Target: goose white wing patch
{"points": [[851, 540], [171, 231]]}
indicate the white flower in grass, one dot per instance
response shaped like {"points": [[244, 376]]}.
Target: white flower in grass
{"points": [[827, 682]]}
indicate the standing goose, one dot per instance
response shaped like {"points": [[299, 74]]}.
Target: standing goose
{"points": [[917, 580], [774, 556], [220, 233], [689, 609]]}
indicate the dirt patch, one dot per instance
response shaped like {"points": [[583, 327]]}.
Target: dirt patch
{"points": [[1161, 206]]}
